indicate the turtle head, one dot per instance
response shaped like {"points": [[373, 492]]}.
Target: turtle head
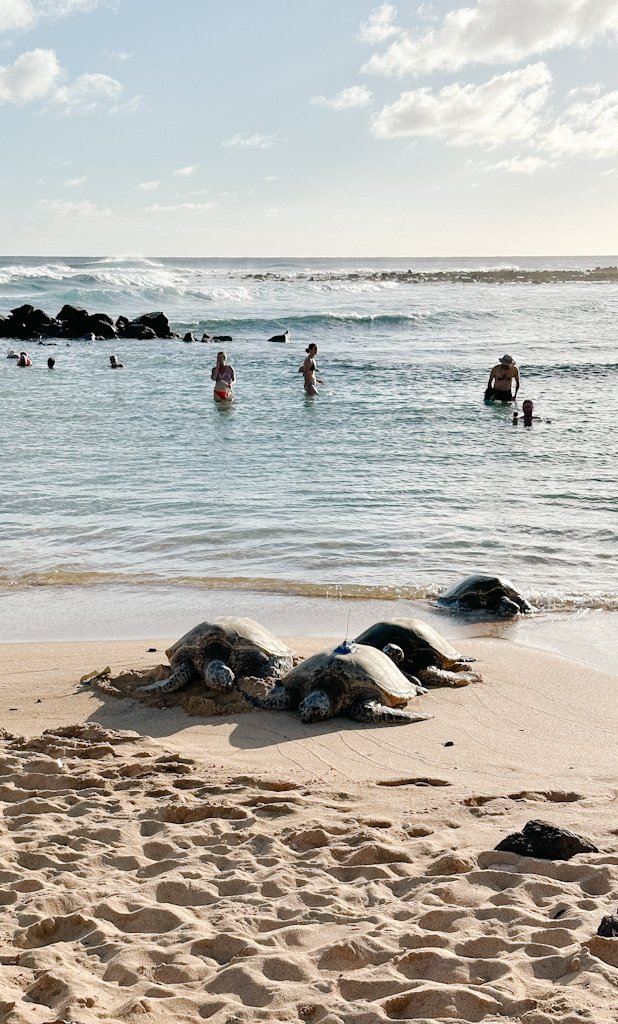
{"points": [[395, 653], [315, 707], [219, 675]]}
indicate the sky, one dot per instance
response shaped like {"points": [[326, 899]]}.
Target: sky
{"points": [[308, 127]]}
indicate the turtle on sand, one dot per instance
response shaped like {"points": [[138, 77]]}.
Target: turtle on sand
{"points": [[419, 651], [217, 652], [352, 679], [489, 593]]}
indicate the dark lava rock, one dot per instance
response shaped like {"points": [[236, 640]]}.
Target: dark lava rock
{"points": [[547, 842], [75, 320], [138, 331], [102, 325], [609, 927], [22, 313], [222, 337], [5, 327], [157, 322]]}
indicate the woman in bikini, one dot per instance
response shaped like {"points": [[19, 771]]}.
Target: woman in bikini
{"points": [[223, 376], [309, 370]]}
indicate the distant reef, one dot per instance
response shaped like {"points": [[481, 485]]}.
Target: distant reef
{"points": [[26, 323]]}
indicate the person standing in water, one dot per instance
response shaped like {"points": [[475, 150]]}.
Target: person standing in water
{"points": [[223, 376], [499, 387], [309, 370]]}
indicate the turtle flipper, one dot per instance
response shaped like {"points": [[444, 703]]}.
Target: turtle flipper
{"points": [[180, 677], [373, 711], [278, 698]]}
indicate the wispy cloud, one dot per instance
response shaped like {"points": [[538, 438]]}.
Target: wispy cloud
{"points": [[498, 32], [82, 211], [255, 141], [186, 172], [521, 165], [147, 186], [74, 182], [504, 109], [379, 25], [355, 97], [24, 14], [175, 207], [585, 129], [87, 92], [120, 55]]}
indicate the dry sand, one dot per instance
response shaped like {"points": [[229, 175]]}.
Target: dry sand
{"points": [[162, 867]]}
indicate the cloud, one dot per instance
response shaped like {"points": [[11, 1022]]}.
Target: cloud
{"points": [[588, 129], [147, 186], [87, 93], [82, 211], [379, 25], [120, 55], [504, 109], [24, 14], [185, 172], [15, 14], [37, 75], [498, 32], [74, 182], [255, 141], [31, 77], [521, 165], [173, 208], [356, 96]]}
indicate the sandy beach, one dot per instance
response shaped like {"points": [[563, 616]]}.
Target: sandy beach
{"points": [[170, 867]]}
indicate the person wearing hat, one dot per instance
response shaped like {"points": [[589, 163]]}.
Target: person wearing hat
{"points": [[499, 388]]}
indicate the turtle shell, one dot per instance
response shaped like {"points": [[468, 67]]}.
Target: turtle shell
{"points": [[482, 591], [359, 670], [422, 646], [241, 643]]}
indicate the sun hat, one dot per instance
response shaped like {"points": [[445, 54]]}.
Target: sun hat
{"points": [[507, 360]]}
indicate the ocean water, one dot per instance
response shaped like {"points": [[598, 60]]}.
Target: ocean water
{"points": [[395, 482]]}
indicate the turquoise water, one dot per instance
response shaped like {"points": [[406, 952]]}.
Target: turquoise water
{"points": [[393, 483]]}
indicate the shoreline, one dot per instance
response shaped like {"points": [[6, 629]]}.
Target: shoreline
{"points": [[125, 613]]}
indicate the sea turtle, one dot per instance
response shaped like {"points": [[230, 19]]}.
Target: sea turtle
{"points": [[352, 679], [218, 651], [489, 593], [419, 651]]}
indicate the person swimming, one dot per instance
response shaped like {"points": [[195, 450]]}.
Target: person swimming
{"points": [[114, 364], [527, 408], [224, 377], [309, 370], [24, 359], [51, 362]]}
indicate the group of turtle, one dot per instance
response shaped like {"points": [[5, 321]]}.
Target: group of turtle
{"points": [[369, 679]]}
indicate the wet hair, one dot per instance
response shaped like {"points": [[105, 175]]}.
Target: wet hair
{"points": [[527, 405], [312, 345], [219, 354], [51, 362], [112, 359]]}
